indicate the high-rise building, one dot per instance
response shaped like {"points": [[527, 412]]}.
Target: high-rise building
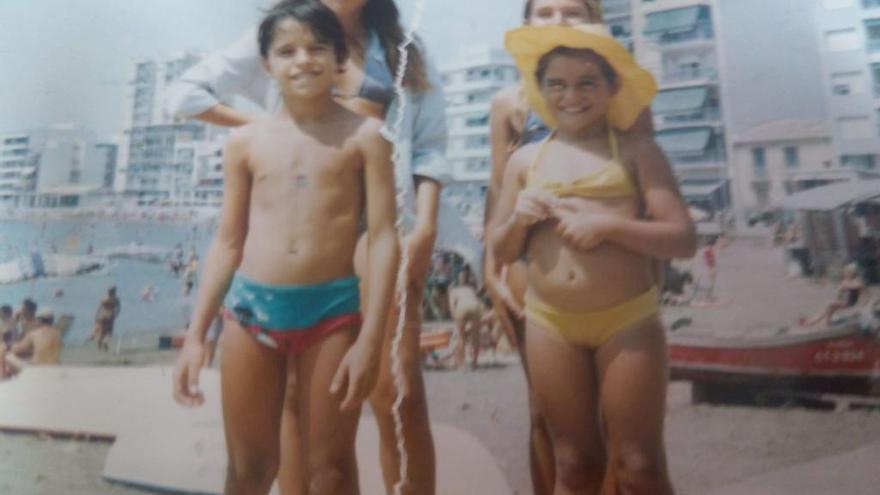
{"points": [[44, 162], [469, 83], [161, 154], [850, 45]]}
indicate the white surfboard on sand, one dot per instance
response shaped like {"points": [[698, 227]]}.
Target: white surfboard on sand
{"points": [[162, 446]]}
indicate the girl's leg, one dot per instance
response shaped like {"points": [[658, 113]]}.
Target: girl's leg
{"points": [[252, 380], [327, 433], [563, 380], [541, 462], [633, 374]]}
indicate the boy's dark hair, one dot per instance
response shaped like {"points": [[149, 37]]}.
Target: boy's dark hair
{"points": [[6, 310], [29, 305], [314, 14], [582, 53]]}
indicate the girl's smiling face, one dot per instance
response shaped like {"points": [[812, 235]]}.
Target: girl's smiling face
{"points": [[578, 90]]}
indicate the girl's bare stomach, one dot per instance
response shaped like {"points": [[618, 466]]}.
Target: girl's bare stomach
{"points": [[583, 281]]}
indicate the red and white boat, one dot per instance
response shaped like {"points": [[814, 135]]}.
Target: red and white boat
{"points": [[841, 359]]}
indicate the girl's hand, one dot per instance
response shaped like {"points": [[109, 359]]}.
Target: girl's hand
{"points": [[186, 374], [584, 231], [533, 206], [357, 373]]}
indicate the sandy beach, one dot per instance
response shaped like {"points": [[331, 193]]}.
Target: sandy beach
{"points": [[708, 446]]}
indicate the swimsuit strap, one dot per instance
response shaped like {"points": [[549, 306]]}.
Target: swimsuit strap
{"points": [[612, 141]]}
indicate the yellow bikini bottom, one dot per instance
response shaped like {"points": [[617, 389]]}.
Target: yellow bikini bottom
{"points": [[593, 328]]}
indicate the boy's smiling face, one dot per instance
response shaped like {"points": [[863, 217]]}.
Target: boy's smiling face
{"points": [[577, 92], [302, 64]]}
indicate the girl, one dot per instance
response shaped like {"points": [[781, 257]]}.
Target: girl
{"points": [[365, 85], [590, 208], [513, 124]]}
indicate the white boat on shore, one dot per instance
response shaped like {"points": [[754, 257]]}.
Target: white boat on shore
{"points": [[36, 264]]}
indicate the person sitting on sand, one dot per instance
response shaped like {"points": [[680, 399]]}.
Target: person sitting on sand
{"points": [[849, 292], [467, 312], [42, 344]]}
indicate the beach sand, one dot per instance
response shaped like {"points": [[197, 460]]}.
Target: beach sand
{"points": [[708, 446]]}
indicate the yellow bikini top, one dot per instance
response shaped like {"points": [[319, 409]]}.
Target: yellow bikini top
{"points": [[610, 181]]}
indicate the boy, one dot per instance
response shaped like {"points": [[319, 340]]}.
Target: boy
{"points": [[295, 188]]}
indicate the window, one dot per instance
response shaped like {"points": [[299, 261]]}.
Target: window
{"points": [[838, 4], [848, 83], [791, 157], [842, 40], [759, 163], [477, 121], [872, 32], [855, 128], [870, 4], [858, 161]]}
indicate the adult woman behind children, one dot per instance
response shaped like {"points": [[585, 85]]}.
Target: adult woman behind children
{"points": [[373, 32], [514, 124], [591, 209]]}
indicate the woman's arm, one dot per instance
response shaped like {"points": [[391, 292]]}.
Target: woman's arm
{"points": [[203, 91]]}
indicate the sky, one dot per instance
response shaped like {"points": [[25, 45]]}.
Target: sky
{"points": [[67, 61]]}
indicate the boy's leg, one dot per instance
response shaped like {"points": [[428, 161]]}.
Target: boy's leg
{"points": [[327, 434], [633, 375], [563, 380], [252, 378], [291, 470], [418, 441]]}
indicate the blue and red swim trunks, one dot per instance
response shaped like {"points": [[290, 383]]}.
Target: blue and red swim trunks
{"points": [[291, 318]]}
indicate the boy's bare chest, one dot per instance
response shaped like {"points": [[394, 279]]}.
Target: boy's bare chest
{"points": [[305, 166]]}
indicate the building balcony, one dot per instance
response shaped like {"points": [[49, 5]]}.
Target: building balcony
{"points": [[704, 116], [689, 75], [871, 4], [873, 45]]}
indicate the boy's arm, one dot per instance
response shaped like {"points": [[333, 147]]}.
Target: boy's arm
{"points": [[359, 368], [382, 239], [223, 259], [667, 232], [226, 249], [506, 235]]}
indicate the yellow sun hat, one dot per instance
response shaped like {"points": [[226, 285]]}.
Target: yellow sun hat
{"points": [[529, 43]]}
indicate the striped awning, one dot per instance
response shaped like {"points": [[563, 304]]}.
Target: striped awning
{"points": [[680, 100], [684, 141]]}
